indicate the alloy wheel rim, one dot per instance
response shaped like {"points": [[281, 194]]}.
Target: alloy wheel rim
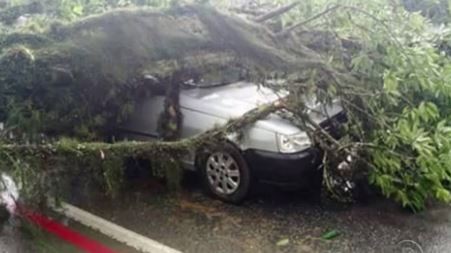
{"points": [[223, 173]]}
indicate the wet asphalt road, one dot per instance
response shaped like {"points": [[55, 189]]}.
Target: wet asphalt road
{"points": [[271, 221]]}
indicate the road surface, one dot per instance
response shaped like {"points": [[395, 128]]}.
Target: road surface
{"points": [[271, 221]]}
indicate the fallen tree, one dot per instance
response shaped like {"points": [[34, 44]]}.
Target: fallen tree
{"points": [[80, 79], [68, 158], [66, 82], [73, 67]]}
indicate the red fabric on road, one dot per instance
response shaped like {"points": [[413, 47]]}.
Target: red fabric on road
{"points": [[81, 242]]}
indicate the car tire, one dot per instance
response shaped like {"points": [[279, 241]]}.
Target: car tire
{"points": [[224, 173]]}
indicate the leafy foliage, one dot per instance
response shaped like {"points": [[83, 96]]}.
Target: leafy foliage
{"points": [[71, 10], [399, 109]]}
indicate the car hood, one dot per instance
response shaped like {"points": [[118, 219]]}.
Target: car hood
{"points": [[229, 101], [234, 100]]}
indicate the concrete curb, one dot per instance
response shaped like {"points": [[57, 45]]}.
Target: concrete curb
{"points": [[114, 231]]}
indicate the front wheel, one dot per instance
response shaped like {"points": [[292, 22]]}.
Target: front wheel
{"points": [[225, 174]]}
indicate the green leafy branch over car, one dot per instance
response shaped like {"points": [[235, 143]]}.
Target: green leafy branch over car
{"points": [[389, 68]]}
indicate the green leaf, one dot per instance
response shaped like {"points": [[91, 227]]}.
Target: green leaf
{"points": [[77, 9], [443, 195], [283, 242], [391, 84], [331, 234]]}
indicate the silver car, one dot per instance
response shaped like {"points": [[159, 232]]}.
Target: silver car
{"points": [[272, 150]]}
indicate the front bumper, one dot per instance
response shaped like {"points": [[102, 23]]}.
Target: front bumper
{"points": [[300, 168]]}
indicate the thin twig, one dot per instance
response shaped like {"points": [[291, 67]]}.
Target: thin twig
{"points": [[275, 13], [314, 17]]}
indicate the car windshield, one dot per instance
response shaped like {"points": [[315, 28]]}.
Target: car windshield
{"points": [[227, 75]]}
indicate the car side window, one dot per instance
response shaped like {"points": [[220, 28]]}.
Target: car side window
{"points": [[143, 124]]}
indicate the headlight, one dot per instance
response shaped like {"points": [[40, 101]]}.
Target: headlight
{"points": [[293, 143]]}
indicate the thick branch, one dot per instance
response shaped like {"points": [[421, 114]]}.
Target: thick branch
{"points": [[146, 149]]}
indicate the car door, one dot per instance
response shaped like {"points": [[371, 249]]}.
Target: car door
{"points": [[143, 123]]}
